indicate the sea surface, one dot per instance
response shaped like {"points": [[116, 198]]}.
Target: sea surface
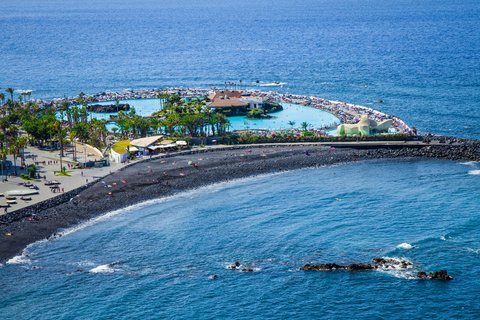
{"points": [[420, 57], [154, 261]]}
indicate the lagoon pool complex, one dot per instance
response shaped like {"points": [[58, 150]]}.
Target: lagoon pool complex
{"points": [[318, 113]]}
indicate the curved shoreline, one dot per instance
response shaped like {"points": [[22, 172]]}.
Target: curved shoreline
{"points": [[166, 176]]}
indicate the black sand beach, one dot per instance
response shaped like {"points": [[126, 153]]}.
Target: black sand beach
{"points": [[166, 176]]}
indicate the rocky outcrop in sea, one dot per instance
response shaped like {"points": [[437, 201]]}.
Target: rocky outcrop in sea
{"points": [[378, 264]]}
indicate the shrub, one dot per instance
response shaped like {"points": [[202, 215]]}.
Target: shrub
{"points": [[32, 171]]}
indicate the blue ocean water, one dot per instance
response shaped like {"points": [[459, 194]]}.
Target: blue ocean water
{"points": [[420, 57], [154, 261]]}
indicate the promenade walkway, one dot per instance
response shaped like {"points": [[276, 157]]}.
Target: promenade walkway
{"points": [[48, 163]]}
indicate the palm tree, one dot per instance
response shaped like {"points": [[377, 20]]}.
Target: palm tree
{"points": [[24, 95], [3, 153], [72, 135], [10, 91], [291, 123], [22, 142], [14, 149], [305, 125], [3, 157], [61, 135], [13, 144]]}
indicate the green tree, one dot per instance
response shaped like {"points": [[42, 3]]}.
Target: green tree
{"points": [[32, 171], [61, 136], [304, 125], [255, 113], [10, 91]]}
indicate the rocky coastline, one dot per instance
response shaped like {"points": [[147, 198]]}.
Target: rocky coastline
{"points": [[173, 173]]}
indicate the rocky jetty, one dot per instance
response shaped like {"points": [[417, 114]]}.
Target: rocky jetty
{"points": [[379, 263], [108, 108]]}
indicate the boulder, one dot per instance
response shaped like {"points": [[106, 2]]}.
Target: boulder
{"points": [[359, 267], [108, 108], [322, 267], [235, 265], [440, 275]]}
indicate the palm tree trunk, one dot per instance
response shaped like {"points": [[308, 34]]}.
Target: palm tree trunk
{"points": [[15, 162]]}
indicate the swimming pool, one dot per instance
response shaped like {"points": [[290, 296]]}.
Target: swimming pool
{"points": [[291, 116]]}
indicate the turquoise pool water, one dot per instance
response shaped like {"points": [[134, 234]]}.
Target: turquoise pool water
{"points": [[291, 112], [143, 107]]}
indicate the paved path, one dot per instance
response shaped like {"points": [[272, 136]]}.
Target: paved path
{"points": [[49, 162]]}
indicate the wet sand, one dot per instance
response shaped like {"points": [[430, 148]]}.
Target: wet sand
{"points": [[167, 176]]}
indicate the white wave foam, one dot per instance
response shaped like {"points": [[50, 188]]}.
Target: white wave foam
{"points": [[20, 259], [401, 274], [474, 172], [476, 251], [405, 245], [397, 265], [443, 238], [85, 263], [469, 163], [397, 271], [104, 268]]}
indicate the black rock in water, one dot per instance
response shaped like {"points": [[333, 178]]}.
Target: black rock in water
{"points": [[440, 275], [108, 108], [359, 267], [236, 265], [322, 267]]}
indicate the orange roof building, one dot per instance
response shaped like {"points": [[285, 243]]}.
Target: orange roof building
{"points": [[227, 98]]}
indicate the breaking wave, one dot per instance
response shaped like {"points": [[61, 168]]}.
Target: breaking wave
{"points": [[405, 245], [104, 268], [22, 258]]}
